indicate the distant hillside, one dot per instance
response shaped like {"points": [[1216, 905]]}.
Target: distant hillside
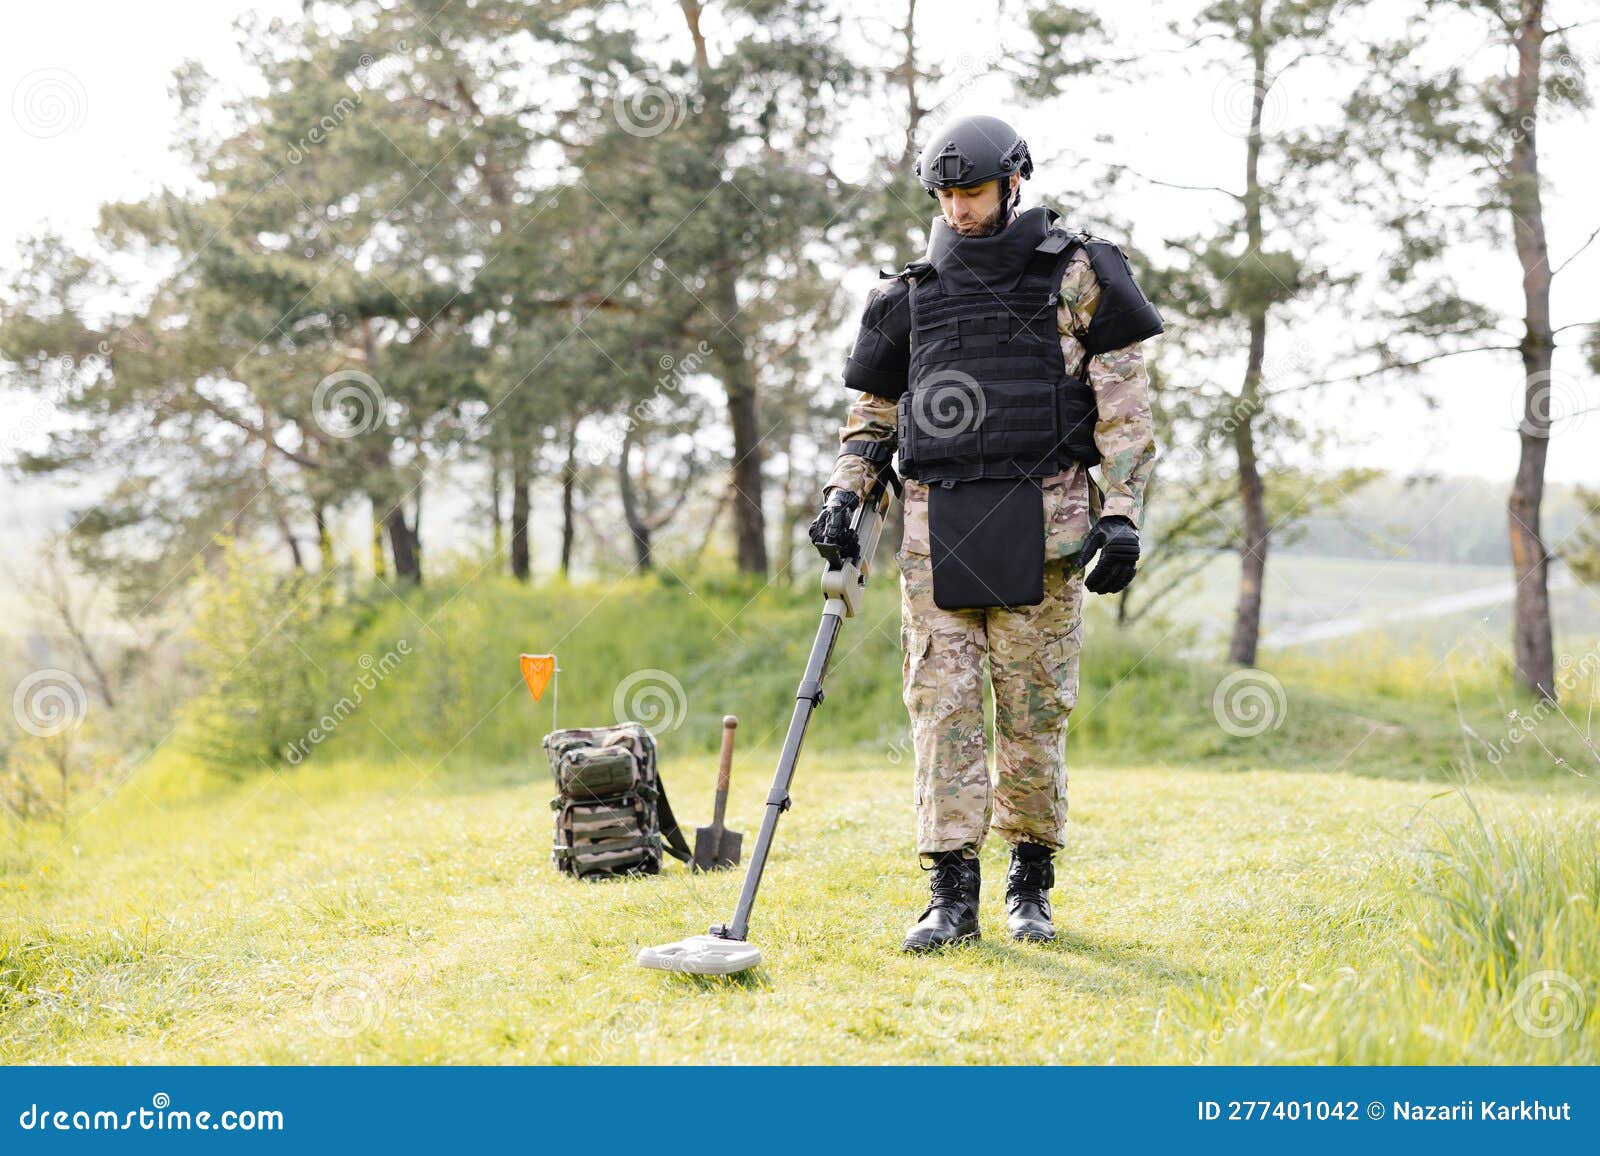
{"points": [[1460, 520]]}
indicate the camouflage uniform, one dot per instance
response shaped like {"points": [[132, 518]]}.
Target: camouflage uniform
{"points": [[1032, 650]]}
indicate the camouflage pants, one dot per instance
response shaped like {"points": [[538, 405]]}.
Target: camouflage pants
{"points": [[1032, 656]]}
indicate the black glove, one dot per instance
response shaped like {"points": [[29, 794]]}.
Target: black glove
{"points": [[831, 532], [1116, 540]]}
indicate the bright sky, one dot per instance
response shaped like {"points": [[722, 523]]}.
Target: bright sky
{"points": [[91, 118]]}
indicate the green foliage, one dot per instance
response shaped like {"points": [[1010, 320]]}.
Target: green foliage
{"points": [[253, 632], [1065, 42], [692, 653], [1581, 552], [1501, 927], [445, 690]]}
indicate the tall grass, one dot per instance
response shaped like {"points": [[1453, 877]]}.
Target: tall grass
{"points": [[1496, 965]]}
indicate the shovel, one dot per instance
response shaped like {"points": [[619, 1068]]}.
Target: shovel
{"points": [[725, 950], [716, 846]]}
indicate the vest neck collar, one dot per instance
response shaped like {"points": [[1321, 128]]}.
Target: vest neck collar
{"points": [[973, 263]]}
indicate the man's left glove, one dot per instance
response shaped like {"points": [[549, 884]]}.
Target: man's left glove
{"points": [[831, 532], [1116, 540]]}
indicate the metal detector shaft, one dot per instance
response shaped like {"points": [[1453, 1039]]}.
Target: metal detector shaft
{"points": [[842, 585]]}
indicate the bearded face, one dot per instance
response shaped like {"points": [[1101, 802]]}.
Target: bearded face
{"points": [[975, 211]]}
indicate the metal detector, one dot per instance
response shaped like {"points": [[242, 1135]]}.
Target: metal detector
{"points": [[725, 950]]}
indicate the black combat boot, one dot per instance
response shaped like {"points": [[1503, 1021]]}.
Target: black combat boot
{"points": [[1028, 886], [952, 913]]}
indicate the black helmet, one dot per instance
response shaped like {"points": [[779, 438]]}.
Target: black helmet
{"points": [[970, 151]]}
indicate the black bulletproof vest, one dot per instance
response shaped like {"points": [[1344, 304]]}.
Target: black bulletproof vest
{"points": [[988, 393]]}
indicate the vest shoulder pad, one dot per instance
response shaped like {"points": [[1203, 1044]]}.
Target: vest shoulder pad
{"points": [[881, 359], [1124, 314]]}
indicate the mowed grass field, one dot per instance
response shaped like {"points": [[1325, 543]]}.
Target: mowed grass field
{"points": [[354, 913]]}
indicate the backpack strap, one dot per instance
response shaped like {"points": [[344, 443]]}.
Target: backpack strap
{"points": [[673, 842]]}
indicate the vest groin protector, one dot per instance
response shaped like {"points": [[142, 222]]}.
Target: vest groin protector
{"points": [[988, 407]]}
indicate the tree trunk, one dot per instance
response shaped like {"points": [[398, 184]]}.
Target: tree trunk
{"points": [[403, 544], [749, 522], [497, 532], [324, 538], [416, 529], [711, 527], [791, 514], [638, 526], [289, 536], [380, 565], [1532, 645], [519, 512], [729, 347], [1253, 549], [569, 485]]}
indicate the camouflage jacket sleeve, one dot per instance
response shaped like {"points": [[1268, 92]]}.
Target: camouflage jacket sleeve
{"points": [[871, 418], [1124, 431]]}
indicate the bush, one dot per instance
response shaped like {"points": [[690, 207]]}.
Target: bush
{"points": [[254, 640]]}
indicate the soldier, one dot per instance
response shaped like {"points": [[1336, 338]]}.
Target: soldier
{"points": [[1001, 366]]}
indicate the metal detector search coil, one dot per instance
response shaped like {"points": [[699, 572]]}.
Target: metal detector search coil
{"points": [[702, 955]]}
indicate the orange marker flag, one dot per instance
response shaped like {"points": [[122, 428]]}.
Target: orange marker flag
{"points": [[536, 672]]}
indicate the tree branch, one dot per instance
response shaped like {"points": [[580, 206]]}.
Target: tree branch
{"points": [[1115, 167], [1580, 249], [1390, 368]]}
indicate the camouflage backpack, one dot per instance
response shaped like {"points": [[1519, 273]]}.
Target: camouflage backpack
{"points": [[611, 806]]}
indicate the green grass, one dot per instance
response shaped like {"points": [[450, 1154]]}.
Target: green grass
{"points": [[1315, 893], [342, 912]]}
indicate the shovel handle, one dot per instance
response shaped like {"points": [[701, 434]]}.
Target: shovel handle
{"points": [[724, 770], [725, 767]]}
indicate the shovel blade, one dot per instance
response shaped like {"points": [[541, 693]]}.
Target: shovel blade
{"points": [[701, 955], [711, 853]]}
